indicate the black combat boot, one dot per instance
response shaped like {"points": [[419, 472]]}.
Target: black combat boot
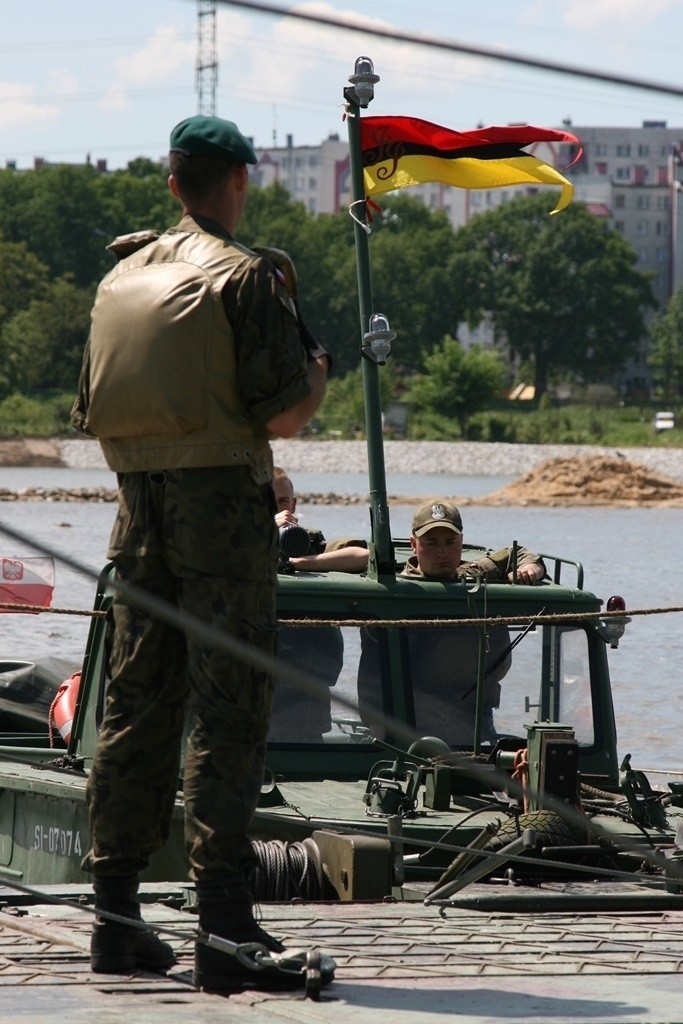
{"points": [[117, 948], [226, 910]]}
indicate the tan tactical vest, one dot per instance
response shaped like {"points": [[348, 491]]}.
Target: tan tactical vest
{"points": [[163, 379]]}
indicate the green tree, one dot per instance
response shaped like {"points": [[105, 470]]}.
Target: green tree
{"points": [[457, 382], [42, 346], [343, 407], [134, 200], [22, 277], [562, 291], [58, 212], [666, 348], [410, 248]]}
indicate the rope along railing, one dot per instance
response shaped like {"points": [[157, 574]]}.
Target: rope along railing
{"points": [[485, 620]]}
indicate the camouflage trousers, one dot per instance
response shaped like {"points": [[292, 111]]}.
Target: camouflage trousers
{"points": [[173, 528]]}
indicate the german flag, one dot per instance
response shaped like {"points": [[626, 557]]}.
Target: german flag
{"points": [[400, 151]]}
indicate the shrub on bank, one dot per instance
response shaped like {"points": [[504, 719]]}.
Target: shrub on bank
{"points": [[47, 414], [40, 416]]}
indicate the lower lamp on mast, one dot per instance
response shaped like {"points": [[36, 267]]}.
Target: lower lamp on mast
{"points": [[377, 340]]}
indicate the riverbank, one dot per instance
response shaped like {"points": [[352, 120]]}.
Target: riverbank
{"points": [[30, 451], [542, 475], [460, 458]]}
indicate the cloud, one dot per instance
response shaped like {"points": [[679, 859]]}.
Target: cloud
{"points": [[582, 14], [293, 62], [165, 52], [19, 107], [62, 83]]}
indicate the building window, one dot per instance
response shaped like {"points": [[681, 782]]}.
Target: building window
{"points": [[642, 202], [619, 226], [314, 161], [642, 228], [312, 183], [623, 149], [601, 149], [662, 176], [643, 149], [623, 173], [642, 253], [312, 206], [619, 201], [662, 202], [662, 254], [601, 168], [662, 227], [476, 198]]}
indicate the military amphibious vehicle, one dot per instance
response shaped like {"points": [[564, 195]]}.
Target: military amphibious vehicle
{"points": [[448, 743], [413, 720]]}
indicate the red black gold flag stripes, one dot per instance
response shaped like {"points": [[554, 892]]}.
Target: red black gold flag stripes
{"points": [[400, 151]]}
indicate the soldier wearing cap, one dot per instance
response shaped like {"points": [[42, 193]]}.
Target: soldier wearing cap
{"points": [[444, 662], [196, 356], [436, 540]]}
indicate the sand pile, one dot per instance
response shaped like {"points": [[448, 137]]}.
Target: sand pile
{"points": [[589, 480], [29, 452]]}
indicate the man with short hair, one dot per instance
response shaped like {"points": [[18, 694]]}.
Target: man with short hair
{"points": [[300, 717], [444, 663], [437, 537], [306, 550], [196, 357]]}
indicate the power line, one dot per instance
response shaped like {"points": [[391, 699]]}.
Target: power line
{"points": [[51, 45], [452, 46]]}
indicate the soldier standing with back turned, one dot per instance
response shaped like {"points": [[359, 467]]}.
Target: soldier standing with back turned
{"points": [[195, 358]]}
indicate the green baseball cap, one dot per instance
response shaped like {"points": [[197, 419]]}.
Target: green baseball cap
{"points": [[436, 512], [204, 135]]}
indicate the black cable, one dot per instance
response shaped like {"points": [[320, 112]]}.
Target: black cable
{"points": [[435, 42]]}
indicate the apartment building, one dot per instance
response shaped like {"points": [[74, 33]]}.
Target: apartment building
{"points": [[317, 176], [635, 174], [632, 177]]}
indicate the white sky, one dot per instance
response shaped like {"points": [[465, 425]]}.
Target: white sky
{"points": [[111, 79]]}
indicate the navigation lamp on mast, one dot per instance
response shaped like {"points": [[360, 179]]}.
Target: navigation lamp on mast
{"points": [[363, 81], [377, 340], [612, 629]]}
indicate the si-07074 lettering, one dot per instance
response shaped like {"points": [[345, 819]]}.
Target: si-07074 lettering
{"points": [[62, 842]]}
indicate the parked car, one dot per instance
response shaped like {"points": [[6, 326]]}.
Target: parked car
{"points": [[663, 421]]}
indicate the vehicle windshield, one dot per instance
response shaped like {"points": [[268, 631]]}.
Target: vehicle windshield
{"points": [[545, 676]]}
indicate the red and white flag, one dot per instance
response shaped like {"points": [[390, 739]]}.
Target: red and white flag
{"points": [[28, 581]]}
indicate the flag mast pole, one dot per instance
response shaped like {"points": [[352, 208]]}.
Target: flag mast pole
{"points": [[376, 336]]}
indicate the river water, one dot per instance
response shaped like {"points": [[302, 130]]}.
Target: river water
{"points": [[627, 551]]}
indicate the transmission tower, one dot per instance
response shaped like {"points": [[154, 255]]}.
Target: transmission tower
{"points": [[206, 67]]}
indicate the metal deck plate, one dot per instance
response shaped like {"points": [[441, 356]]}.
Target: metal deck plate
{"points": [[397, 962]]}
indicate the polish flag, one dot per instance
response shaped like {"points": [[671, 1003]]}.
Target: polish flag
{"points": [[28, 581]]}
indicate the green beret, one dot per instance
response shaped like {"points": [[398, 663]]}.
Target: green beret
{"points": [[203, 135]]}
